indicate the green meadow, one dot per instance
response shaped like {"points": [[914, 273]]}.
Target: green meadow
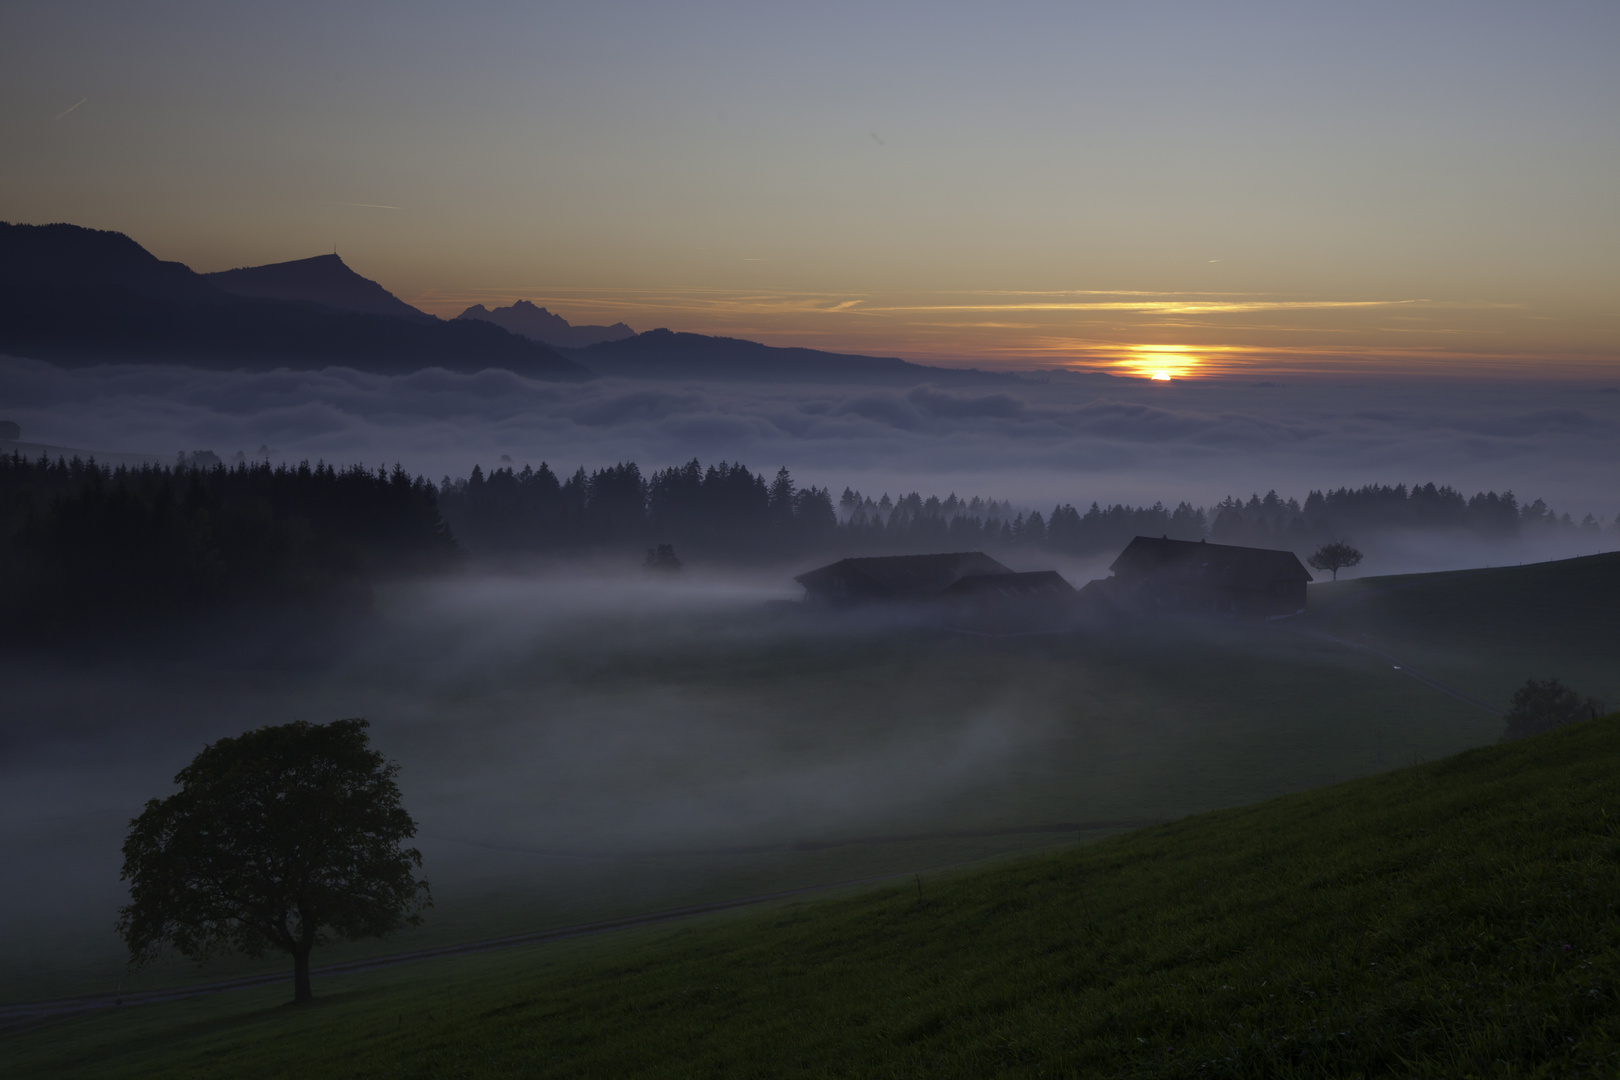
{"points": [[1486, 631], [1451, 919]]}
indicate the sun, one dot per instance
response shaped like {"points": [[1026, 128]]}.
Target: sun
{"points": [[1162, 363]]}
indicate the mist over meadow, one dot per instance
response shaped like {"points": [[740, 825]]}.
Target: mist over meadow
{"points": [[1052, 438], [581, 737], [573, 743]]}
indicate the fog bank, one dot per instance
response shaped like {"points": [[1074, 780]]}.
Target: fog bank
{"points": [[1065, 439]]}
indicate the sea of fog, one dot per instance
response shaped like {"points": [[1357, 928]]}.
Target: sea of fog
{"points": [[1054, 438]]}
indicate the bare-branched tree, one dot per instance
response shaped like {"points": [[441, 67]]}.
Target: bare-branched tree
{"points": [[1335, 556]]}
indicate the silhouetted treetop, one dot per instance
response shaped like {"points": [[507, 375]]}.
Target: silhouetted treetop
{"points": [[1543, 704], [278, 839]]}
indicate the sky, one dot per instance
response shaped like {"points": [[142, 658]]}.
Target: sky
{"points": [[1193, 188]]}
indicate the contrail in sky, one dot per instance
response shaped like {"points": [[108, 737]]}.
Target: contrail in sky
{"points": [[372, 205], [70, 108]]}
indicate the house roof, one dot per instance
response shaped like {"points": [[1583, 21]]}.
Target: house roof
{"points": [[1224, 565], [904, 576], [1038, 583]]}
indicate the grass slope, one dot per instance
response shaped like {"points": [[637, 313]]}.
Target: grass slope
{"points": [[1451, 919], [1487, 631]]}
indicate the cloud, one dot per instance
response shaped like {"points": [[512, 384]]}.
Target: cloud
{"points": [[70, 108], [1071, 439], [939, 403]]}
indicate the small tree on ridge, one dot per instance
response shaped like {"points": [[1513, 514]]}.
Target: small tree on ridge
{"points": [[1335, 556]]}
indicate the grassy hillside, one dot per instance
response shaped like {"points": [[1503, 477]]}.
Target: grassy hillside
{"points": [[1451, 919], [1487, 631]]}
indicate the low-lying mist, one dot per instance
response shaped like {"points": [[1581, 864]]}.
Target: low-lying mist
{"points": [[581, 741], [573, 717]]}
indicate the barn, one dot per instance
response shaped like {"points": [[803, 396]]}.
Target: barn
{"points": [[963, 590], [1039, 602], [893, 577], [1219, 579]]}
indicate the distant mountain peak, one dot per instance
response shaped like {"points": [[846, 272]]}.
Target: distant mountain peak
{"points": [[525, 318], [320, 279], [73, 296]]}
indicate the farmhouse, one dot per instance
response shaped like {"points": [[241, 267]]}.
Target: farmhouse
{"points": [[1218, 579], [894, 577], [962, 590], [996, 604]]}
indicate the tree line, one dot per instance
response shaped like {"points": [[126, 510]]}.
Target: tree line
{"points": [[84, 547], [727, 512], [722, 511], [1262, 521]]}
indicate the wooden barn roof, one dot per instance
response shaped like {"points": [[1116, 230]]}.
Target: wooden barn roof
{"points": [[1210, 564], [905, 576], [1012, 586]]}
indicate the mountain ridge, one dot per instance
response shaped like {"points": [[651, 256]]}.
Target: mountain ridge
{"points": [[76, 296], [320, 279], [670, 354], [537, 324]]}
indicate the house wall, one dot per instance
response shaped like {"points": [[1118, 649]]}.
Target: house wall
{"points": [[1281, 598]]}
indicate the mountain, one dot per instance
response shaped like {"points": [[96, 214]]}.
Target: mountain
{"points": [[57, 257], [81, 296], [323, 280], [538, 324], [665, 354]]}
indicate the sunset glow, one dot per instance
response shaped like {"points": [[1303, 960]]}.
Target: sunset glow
{"points": [[1161, 363], [699, 174]]}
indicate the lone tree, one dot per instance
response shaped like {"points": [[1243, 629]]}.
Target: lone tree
{"points": [[1335, 556], [1543, 704], [283, 838]]}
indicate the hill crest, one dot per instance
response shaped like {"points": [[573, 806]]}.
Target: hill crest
{"points": [[670, 354], [72, 295], [321, 279]]}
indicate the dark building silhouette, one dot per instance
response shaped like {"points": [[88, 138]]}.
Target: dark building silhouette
{"points": [[997, 604], [1218, 579], [894, 577], [963, 590]]}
